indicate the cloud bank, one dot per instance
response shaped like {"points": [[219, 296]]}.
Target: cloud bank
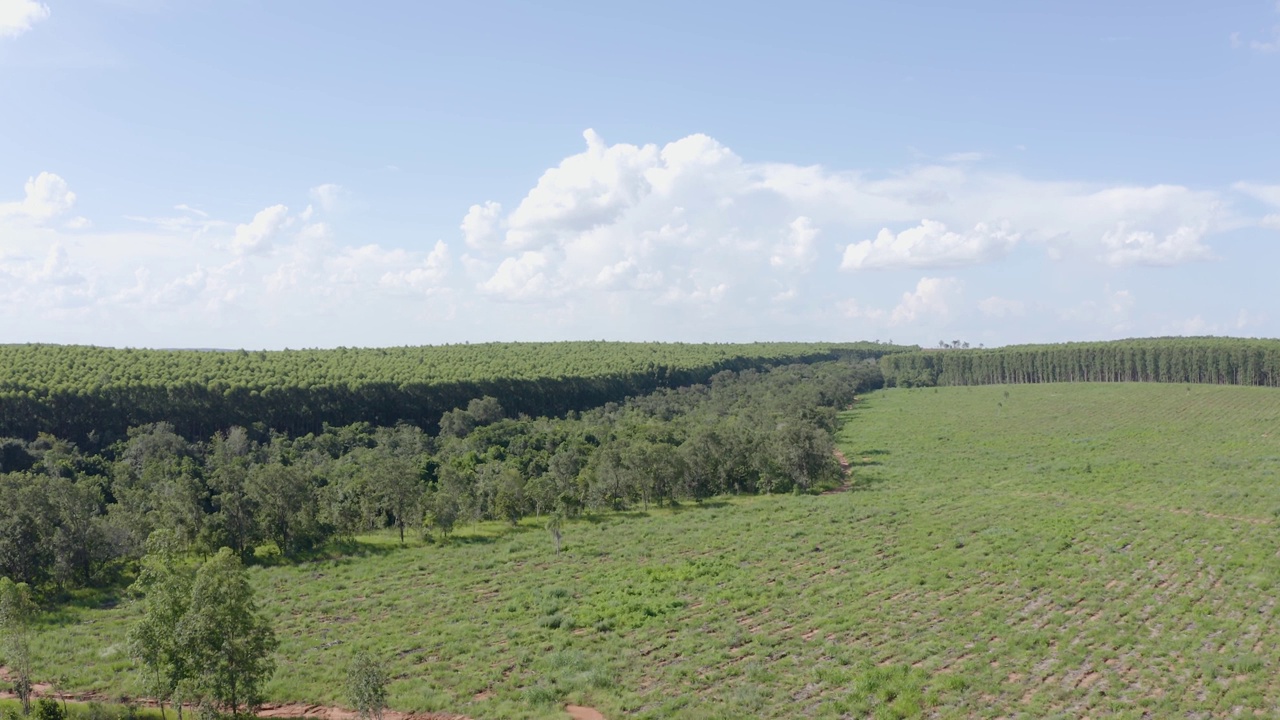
{"points": [[685, 240]]}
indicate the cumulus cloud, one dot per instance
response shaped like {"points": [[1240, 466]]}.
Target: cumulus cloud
{"points": [[519, 278], [933, 299], [18, 16], [427, 275], [1123, 246], [797, 249], [46, 196], [256, 235], [929, 244], [647, 219], [685, 239], [480, 226]]}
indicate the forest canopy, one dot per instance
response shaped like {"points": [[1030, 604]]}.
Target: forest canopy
{"points": [[72, 518], [93, 395], [1222, 361]]}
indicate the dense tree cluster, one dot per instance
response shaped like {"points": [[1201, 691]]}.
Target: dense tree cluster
{"points": [[1230, 361], [93, 395], [68, 516]]}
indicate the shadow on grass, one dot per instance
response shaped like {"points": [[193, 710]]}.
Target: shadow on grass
{"points": [[863, 482], [597, 518], [65, 608], [335, 549]]}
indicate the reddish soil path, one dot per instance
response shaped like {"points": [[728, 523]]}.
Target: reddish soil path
{"points": [[271, 710], [845, 469], [578, 712], [302, 710]]}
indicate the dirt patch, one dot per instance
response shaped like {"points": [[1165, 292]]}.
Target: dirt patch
{"points": [[579, 712], [270, 710], [844, 471], [303, 710]]}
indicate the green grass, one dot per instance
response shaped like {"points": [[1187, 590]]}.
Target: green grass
{"points": [[1059, 550]]}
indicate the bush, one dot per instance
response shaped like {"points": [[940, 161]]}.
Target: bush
{"points": [[49, 709], [367, 686]]}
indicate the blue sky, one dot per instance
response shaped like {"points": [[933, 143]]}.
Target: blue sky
{"points": [[298, 174]]}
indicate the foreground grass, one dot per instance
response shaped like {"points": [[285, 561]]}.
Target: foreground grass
{"points": [[1038, 550]]}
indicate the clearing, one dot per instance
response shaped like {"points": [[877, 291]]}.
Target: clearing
{"points": [[1084, 550]]}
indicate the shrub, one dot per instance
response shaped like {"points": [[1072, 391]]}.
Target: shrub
{"points": [[49, 709]]}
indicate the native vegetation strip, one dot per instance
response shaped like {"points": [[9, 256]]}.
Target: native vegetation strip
{"points": [[71, 519], [1223, 361]]}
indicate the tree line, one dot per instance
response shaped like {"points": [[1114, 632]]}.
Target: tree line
{"points": [[1228, 361], [71, 518], [92, 395]]}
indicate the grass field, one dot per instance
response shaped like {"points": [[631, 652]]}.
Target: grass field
{"points": [[1072, 550]]}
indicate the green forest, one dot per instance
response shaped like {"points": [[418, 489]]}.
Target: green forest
{"points": [[73, 518], [94, 395], [1222, 361]]}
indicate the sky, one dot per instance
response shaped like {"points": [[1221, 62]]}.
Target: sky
{"points": [[305, 173]]}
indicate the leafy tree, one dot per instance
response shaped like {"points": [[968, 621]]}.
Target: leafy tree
{"points": [[154, 641], [390, 475], [235, 521], [288, 506], [17, 613], [228, 642], [48, 709], [26, 525], [367, 681], [79, 543], [555, 526]]}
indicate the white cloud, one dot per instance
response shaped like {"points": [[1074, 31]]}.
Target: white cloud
{"points": [[1267, 46], [1260, 46], [932, 299], [930, 244], [1129, 247], [46, 196], [998, 307], [18, 16], [480, 226], [427, 275], [797, 249], [852, 309], [1269, 194], [678, 241], [256, 235], [1113, 313], [328, 196], [520, 278]]}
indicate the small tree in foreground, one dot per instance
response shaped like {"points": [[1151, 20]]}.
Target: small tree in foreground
{"points": [[17, 611], [555, 524], [154, 641], [367, 686], [228, 643]]}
